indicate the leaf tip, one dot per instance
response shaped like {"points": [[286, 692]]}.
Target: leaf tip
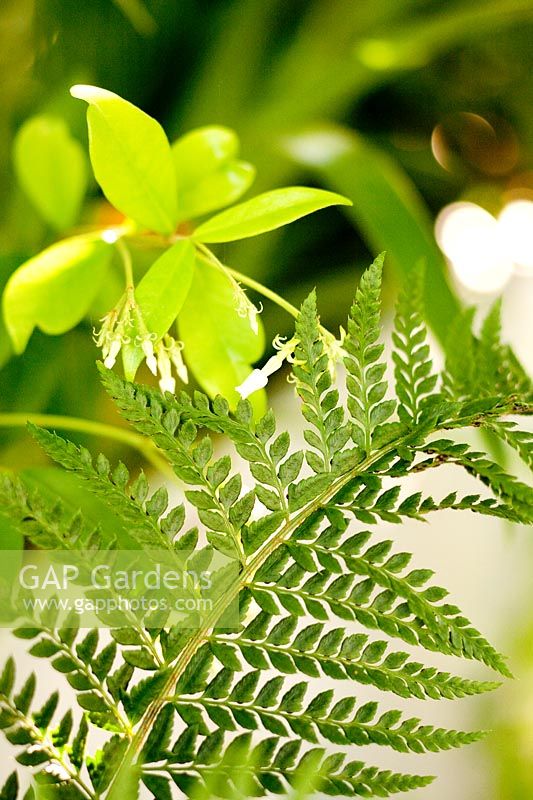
{"points": [[83, 91]]}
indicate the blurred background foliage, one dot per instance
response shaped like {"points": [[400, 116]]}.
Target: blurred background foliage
{"points": [[405, 106]]}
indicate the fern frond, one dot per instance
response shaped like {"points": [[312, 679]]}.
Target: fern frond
{"points": [[88, 673], [518, 496], [41, 742], [130, 501], [208, 770], [320, 402], [305, 569], [415, 380], [365, 384]]}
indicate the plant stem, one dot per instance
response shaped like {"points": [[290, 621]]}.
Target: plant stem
{"points": [[238, 277], [126, 262], [265, 291], [93, 428]]}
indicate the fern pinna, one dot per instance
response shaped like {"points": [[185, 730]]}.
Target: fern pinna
{"points": [[233, 712]]}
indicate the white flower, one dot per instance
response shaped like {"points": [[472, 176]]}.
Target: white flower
{"points": [[168, 355], [112, 353], [167, 384], [164, 367], [175, 349], [148, 350], [258, 378]]}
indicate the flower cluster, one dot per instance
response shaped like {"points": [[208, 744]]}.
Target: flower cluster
{"points": [[123, 326]]}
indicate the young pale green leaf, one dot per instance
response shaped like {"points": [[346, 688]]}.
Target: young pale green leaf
{"points": [[55, 289], [162, 291], [219, 345], [131, 159], [266, 212], [208, 174], [51, 167]]}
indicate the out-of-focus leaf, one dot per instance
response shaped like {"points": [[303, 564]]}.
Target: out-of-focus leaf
{"points": [[131, 159], [10, 536], [7, 265], [51, 167], [54, 289], [208, 174], [266, 212], [386, 208], [219, 345], [138, 15]]}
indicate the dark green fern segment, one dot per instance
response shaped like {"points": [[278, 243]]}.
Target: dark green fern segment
{"points": [[234, 712], [366, 369], [413, 368], [320, 400]]}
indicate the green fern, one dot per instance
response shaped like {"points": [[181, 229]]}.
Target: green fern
{"points": [[226, 711]]}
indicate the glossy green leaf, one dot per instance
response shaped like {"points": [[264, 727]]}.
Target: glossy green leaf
{"points": [[51, 167], [54, 290], [219, 189], [131, 159], [386, 208], [266, 212], [202, 151], [208, 174], [162, 291], [219, 345]]}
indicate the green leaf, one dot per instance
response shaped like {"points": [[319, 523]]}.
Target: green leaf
{"points": [[219, 345], [386, 208], [51, 167], [9, 790], [162, 291], [266, 212], [208, 174], [131, 159], [160, 295], [55, 289]]}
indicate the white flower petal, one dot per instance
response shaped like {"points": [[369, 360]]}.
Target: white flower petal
{"points": [[167, 384], [256, 380]]}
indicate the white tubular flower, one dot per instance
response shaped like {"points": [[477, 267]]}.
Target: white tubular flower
{"points": [[174, 351], [148, 350], [112, 350], [258, 378], [166, 382]]}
